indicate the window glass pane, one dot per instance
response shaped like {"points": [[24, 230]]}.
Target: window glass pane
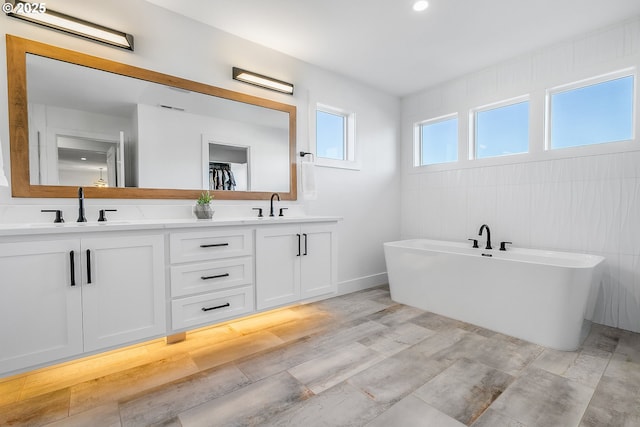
{"points": [[593, 114], [330, 134], [503, 130], [439, 142]]}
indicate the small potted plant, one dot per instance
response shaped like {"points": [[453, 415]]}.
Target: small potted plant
{"points": [[202, 209]]}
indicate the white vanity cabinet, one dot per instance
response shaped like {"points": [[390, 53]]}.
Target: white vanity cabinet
{"points": [[211, 276], [294, 263], [125, 299], [63, 297], [41, 305], [72, 290]]}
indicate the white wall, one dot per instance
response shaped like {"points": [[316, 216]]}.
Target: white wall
{"points": [[582, 201], [367, 199]]}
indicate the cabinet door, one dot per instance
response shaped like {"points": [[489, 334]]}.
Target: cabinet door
{"points": [[278, 253], [41, 305], [123, 292], [318, 261]]}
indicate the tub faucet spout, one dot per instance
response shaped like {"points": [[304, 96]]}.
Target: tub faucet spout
{"points": [[488, 235]]}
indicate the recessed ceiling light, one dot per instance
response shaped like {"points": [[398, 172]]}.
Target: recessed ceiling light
{"points": [[83, 158], [421, 5]]}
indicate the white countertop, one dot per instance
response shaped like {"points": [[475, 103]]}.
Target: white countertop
{"points": [[16, 229]]}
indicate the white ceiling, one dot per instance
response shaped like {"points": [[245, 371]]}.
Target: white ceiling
{"points": [[385, 44]]}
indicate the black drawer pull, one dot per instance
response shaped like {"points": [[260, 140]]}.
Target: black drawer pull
{"points": [[72, 260], [88, 266], [214, 245], [216, 307], [217, 276], [298, 245], [305, 244]]}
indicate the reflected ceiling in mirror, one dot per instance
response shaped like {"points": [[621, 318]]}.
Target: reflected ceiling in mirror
{"points": [[151, 128]]}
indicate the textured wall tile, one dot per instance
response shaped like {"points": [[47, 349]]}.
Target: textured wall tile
{"points": [[596, 215], [603, 167], [432, 180], [552, 64], [409, 214], [540, 172], [481, 86], [512, 76], [486, 176], [629, 216], [412, 181], [551, 224], [629, 308], [599, 47], [431, 213], [514, 215], [454, 92], [453, 211], [632, 37], [631, 164], [606, 293], [481, 208], [561, 170]]}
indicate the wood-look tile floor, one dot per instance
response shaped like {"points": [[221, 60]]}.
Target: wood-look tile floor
{"points": [[354, 360]]}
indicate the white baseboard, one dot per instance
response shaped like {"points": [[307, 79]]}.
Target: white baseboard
{"points": [[361, 283]]}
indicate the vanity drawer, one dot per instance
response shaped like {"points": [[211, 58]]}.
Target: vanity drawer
{"points": [[209, 308], [209, 245], [211, 276]]}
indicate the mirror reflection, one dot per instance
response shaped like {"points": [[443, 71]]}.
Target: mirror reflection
{"points": [[89, 127]]}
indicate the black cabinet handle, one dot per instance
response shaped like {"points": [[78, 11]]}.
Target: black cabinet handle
{"points": [[298, 244], [214, 245], [72, 263], [305, 244], [88, 266], [217, 276], [216, 307]]}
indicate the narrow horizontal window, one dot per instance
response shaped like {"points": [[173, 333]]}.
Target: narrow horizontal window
{"points": [[439, 141], [592, 114], [502, 130]]}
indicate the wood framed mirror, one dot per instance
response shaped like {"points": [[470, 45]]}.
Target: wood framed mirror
{"points": [[72, 115]]}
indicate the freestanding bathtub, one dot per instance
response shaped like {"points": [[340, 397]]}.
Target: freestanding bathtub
{"points": [[538, 296]]}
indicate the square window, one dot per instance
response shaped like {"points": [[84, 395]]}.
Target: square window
{"points": [[439, 141], [501, 131], [592, 114]]}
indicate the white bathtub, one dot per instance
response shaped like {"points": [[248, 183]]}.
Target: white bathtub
{"points": [[538, 296]]}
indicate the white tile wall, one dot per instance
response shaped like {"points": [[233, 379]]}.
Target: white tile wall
{"points": [[580, 204]]}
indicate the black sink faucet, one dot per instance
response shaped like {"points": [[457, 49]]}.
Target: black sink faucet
{"points": [[81, 217], [488, 235], [272, 196]]}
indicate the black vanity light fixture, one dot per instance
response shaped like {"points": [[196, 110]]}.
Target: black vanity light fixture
{"points": [[38, 13], [262, 81]]}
